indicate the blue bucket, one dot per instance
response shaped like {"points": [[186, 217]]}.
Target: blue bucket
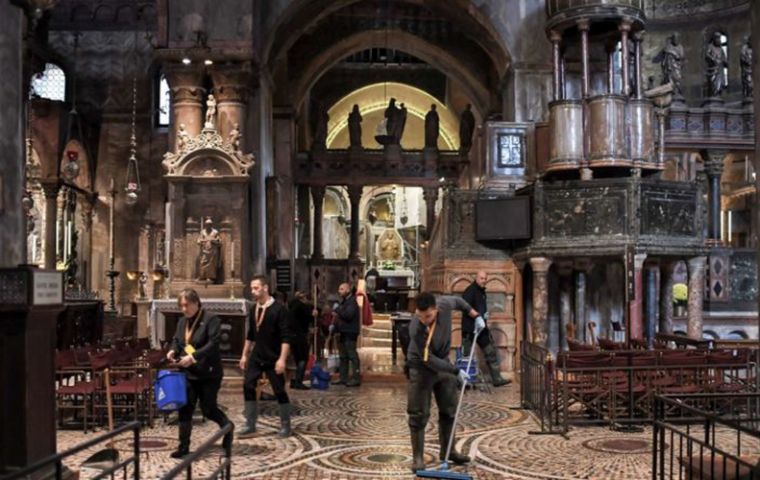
{"points": [[170, 390], [320, 379], [472, 372]]}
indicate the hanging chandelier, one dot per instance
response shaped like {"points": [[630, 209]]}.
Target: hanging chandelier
{"points": [[70, 169], [133, 171]]}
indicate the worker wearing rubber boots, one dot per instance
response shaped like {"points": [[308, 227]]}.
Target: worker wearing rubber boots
{"points": [[475, 295], [432, 373]]}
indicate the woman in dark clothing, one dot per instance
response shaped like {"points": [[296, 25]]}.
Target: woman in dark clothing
{"points": [[302, 320], [195, 349]]}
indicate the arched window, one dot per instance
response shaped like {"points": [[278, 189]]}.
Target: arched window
{"points": [[737, 335], [163, 100], [51, 83], [710, 335]]}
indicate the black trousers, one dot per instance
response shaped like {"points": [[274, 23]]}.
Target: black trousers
{"points": [[300, 346], [423, 384], [484, 339], [252, 375], [205, 391]]}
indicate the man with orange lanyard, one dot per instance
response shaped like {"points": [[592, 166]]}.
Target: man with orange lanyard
{"points": [[431, 372], [266, 350]]}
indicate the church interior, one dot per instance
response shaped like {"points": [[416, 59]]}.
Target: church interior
{"points": [[587, 166]]}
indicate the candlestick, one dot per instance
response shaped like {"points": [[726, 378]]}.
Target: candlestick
{"points": [[232, 259]]}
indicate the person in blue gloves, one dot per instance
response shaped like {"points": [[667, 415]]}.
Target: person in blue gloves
{"points": [[432, 373]]}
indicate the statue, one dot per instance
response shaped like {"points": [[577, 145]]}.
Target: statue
{"points": [[182, 137], [209, 259], [715, 59], [320, 133], [355, 127], [391, 119], [432, 128], [210, 112], [466, 129], [389, 246], [670, 59], [745, 61], [400, 123], [234, 137]]}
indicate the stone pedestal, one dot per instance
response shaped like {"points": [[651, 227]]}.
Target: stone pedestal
{"points": [[539, 322], [696, 294]]}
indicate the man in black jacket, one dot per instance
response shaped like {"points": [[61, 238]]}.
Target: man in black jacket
{"points": [[265, 353], [302, 319], [348, 325], [432, 373], [195, 349], [475, 295]]}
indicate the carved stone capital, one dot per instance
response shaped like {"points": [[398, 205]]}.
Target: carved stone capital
{"points": [[317, 194], [50, 188], [625, 25], [355, 193], [638, 260], [584, 24], [430, 194], [555, 36], [231, 83], [714, 160], [188, 94], [540, 264], [696, 265], [186, 83]]}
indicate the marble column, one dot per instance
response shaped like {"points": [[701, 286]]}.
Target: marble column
{"points": [[696, 293], [318, 197], [555, 37], [12, 120], [651, 303], [231, 93], [714, 169], [635, 304], [666, 296], [565, 307], [625, 28], [540, 267], [355, 197], [580, 305], [430, 195], [583, 26], [51, 189], [638, 37], [188, 97], [611, 70]]}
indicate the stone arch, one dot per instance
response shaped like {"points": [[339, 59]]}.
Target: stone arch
{"points": [[435, 56]]}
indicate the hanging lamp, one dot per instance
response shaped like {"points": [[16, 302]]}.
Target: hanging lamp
{"points": [[133, 172]]}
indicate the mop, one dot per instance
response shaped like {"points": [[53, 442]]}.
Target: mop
{"points": [[443, 471]]}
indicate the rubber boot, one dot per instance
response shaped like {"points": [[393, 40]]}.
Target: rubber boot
{"points": [[492, 357], [298, 381], [284, 420], [251, 413], [418, 449], [185, 429], [445, 428], [343, 373]]}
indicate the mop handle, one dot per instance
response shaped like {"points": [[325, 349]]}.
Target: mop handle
{"points": [[461, 398]]}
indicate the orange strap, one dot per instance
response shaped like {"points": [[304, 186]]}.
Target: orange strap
{"points": [[426, 352]]}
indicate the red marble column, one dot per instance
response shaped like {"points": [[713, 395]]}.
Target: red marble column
{"points": [[540, 266], [635, 304], [696, 294]]}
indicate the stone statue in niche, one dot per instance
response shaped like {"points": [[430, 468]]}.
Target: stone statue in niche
{"points": [[209, 259], [399, 124], [715, 61], [320, 133], [432, 128], [466, 129], [389, 246], [234, 137], [745, 61], [670, 59], [210, 112], [182, 137], [355, 127], [391, 119]]}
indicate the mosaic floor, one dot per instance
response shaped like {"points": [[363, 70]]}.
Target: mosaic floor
{"points": [[362, 433]]}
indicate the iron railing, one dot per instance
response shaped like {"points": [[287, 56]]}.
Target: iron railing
{"points": [[223, 471], [536, 387]]}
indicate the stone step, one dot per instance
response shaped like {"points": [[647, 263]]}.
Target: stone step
{"points": [[376, 360], [372, 332], [377, 342]]}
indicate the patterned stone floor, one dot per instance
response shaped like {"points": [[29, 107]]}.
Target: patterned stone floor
{"points": [[362, 433]]}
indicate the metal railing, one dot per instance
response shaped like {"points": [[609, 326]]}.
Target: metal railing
{"points": [[536, 387], [718, 440], [56, 461], [223, 471]]}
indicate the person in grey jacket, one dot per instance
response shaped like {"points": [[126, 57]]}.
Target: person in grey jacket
{"points": [[431, 372]]}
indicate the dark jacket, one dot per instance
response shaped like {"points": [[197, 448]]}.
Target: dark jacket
{"points": [[440, 345], [475, 296], [275, 330], [300, 317], [205, 340], [347, 316]]}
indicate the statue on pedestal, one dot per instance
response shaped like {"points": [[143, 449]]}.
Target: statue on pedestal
{"points": [[399, 124], [670, 59], [715, 60], [391, 119], [209, 259], [355, 127], [432, 128], [746, 64], [466, 129], [320, 133], [210, 112]]}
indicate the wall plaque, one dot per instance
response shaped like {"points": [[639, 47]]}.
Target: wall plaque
{"points": [[48, 288]]}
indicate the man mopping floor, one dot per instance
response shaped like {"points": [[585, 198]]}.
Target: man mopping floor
{"points": [[431, 372]]}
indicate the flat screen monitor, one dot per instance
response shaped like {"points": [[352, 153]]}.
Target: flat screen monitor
{"points": [[503, 219]]}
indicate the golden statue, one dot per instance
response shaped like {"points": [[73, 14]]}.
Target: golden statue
{"points": [[389, 246]]}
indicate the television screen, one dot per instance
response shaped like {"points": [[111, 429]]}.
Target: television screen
{"points": [[503, 219]]}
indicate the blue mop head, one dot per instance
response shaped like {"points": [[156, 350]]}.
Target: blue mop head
{"points": [[443, 473]]}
